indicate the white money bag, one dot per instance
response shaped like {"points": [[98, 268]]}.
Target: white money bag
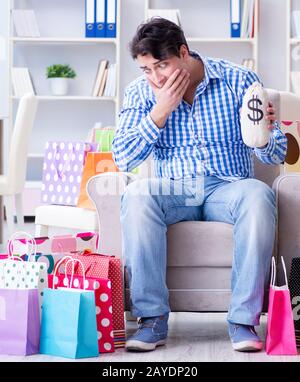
{"points": [[254, 125]]}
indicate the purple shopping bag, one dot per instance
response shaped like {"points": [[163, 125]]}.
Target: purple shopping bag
{"points": [[62, 171], [280, 325], [19, 321]]}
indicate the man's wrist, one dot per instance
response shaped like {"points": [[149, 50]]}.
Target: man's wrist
{"points": [[159, 117]]}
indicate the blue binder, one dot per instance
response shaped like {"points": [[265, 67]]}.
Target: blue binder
{"points": [[235, 18], [111, 18], [100, 18], [90, 26]]}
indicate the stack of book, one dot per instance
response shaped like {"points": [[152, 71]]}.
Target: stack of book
{"points": [[21, 82], [296, 23], [25, 23], [248, 63], [105, 81], [242, 18], [295, 79]]}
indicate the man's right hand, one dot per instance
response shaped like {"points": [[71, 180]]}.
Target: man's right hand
{"points": [[169, 96]]}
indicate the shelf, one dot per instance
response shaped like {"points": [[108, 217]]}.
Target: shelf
{"points": [[36, 155], [62, 40], [294, 41], [229, 40], [33, 184], [72, 98]]}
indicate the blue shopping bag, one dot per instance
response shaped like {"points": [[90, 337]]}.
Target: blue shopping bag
{"points": [[68, 327]]}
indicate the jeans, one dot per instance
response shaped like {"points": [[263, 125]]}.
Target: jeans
{"points": [[248, 204]]}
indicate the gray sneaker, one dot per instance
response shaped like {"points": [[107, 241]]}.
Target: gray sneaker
{"points": [[152, 332], [244, 338]]}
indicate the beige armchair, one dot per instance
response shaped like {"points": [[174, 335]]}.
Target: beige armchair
{"points": [[200, 280]]}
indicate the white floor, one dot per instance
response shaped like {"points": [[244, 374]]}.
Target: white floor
{"points": [[193, 337]]}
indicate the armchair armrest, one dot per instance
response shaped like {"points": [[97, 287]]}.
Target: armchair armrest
{"points": [[287, 188], [105, 191]]}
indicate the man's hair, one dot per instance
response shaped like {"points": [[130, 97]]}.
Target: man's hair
{"points": [[159, 37]]}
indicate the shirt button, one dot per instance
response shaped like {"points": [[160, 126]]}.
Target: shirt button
{"points": [[196, 136]]}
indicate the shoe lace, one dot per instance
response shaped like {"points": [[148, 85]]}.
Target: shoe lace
{"points": [[146, 322], [251, 328]]}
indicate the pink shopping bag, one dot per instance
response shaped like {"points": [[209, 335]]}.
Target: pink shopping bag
{"points": [[280, 326]]}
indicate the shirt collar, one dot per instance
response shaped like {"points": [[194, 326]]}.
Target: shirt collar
{"points": [[210, 70]]}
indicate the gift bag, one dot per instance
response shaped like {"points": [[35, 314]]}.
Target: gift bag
{"points": [[104, 137], [19, 321], [294, 284], [68, 326], [103, 302], [62, 171], [50, 250], [96, 163], [107, 267], [280, 325], [23, 274]]}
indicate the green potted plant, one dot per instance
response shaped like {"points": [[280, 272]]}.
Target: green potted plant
{"points": [[59, 76]]}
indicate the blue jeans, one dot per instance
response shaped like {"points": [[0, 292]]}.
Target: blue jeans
{"points": [[248, 204]]}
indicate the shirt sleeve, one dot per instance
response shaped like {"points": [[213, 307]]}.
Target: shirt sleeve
{"points": [[275, 150], [136, 134]]}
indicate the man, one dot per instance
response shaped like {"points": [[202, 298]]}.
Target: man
{"points": [[184, 111]]}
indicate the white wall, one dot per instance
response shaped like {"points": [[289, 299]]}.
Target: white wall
{"points": [[272, 37]]}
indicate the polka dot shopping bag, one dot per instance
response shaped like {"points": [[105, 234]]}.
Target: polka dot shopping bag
{"points": [[107, 267], [23, 274], [62, 171]]}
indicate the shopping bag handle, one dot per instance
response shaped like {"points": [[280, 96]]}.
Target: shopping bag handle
{"points": [[273, 272], [68, 259], [78, 262], [58, 264], [31, 250]]}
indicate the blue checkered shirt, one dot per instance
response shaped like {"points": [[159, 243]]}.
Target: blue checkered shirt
{"points": [[200, 139]]}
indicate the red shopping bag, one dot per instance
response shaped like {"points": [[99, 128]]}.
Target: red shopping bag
{"points": [[280, 326], [103, 302], [107, 267]]}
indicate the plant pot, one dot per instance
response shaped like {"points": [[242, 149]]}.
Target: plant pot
{"points": [[59, 86]]}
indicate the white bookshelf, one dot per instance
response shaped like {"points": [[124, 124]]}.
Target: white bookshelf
{"points": [[62, 41], [293, 44], [206, 24]]}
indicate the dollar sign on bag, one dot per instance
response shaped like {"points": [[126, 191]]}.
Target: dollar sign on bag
{"points": [[253, 104]]}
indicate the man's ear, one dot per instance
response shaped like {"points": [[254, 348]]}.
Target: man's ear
{"points": [[183, 51]]}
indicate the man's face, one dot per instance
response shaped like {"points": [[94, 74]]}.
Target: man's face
{"points": [[158, 71]]}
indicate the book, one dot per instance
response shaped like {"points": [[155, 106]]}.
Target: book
{"points": [[99, 76], [110, 88], [247, 12], [25, 23], [103, 83], [248, 63], [21, 81], [169, 14], [296, 23], [295, 80]]}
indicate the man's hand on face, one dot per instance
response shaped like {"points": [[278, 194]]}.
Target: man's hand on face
{"points": [[169, 96]]}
